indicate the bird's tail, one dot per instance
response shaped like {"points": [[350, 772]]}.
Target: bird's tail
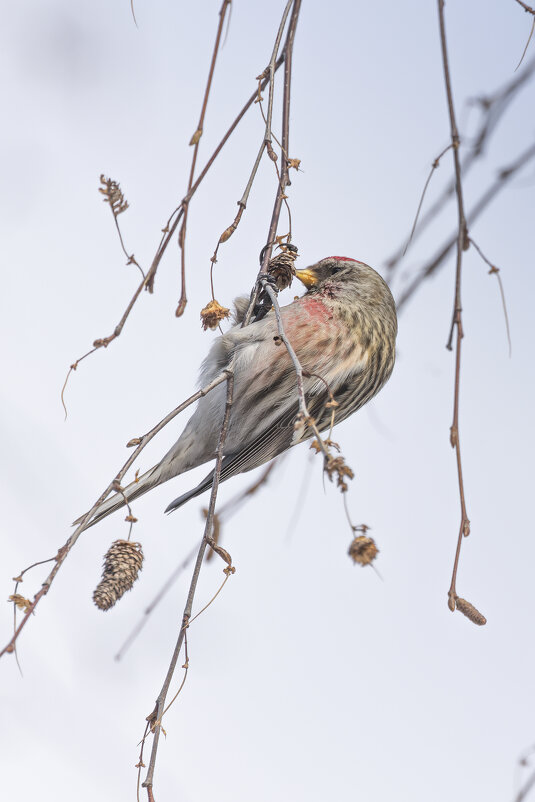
{"points": [[132, 491], [206, 484]]}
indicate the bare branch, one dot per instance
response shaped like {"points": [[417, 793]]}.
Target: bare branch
{"points": [[493, 107], [167, 235], [505, 174], [429, 177], [529, 40], [160, 702], [225, 512], [195, 142], [269, 74], [463, 243], [496, 271], [66, 548], [287, 55]]}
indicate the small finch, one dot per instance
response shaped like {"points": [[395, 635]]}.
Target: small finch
{"points": [[343, 331]]}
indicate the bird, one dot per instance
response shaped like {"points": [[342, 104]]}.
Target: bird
{"points": [[343, 331]]}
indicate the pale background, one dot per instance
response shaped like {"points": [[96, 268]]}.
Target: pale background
{"points": [[310, 677]]}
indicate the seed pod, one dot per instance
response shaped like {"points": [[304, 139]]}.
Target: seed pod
{"points": [[470, 611], [363, 550], [122, 564], [281, 267]]}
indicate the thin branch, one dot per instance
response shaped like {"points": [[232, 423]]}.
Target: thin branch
{"points": [[287, 55], [154, 603], [234, 504], [225, 512], [456, 324], [195, 142], [160, 702], [493, 108], [429, 177], [504, 176], [527, 8], [331, 465], [529, 40], [167, 235], [66, 548], [496, 271], [269, 74], [526, 788]]}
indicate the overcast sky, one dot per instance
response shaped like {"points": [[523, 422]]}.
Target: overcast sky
{"points": [[310, 678]]}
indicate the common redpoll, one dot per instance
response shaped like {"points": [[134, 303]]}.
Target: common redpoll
{"points": [[343, 331]]}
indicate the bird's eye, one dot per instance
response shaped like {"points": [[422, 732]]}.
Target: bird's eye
{"points": [[335, 270]]}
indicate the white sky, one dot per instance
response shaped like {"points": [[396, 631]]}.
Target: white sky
{"points": [[310, 678]]}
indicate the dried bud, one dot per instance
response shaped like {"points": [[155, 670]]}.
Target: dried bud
{"points": [[294, 163], [196, 136], [20, 602], [122, 564], [212, 314], [135, 441], [271, 153], [223, 553], [227, 233], [470, 611], [363, 550]]}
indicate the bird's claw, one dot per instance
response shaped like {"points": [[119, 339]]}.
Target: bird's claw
{"points": [[266, 278], [264, 301]]}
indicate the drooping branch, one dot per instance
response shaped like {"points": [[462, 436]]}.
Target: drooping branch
{"points": [[505, 174], [168, 233], [456, 328], [225, 512], [493, 108], [269, 75], [195, 143], [63, 552], [156, 716], [287, 56]]}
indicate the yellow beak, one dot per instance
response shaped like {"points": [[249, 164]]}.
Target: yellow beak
{"points": [[307, 276]]}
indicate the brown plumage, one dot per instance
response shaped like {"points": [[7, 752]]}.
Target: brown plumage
{"points": [[343, 330]]}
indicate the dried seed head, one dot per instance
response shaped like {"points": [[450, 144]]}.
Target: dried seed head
{"points": [[337, 466], [470, 611], [122, 564], [20, 601], [212, 314], [363, 550], [113, 195]]}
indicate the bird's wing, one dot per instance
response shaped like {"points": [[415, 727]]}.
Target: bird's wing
{"points": [[265, 394], [270, 442]]}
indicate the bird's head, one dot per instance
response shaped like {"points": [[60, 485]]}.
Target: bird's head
{"points": [[339, 280], [332, 268]]}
